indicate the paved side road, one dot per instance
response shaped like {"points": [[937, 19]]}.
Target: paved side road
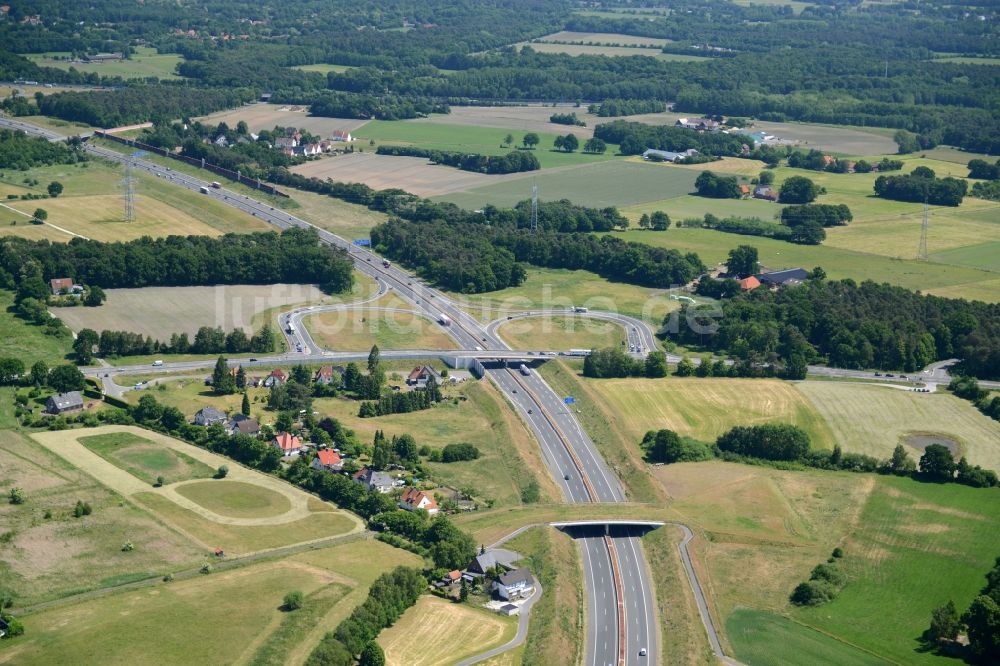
{"points": [[522, 631]]}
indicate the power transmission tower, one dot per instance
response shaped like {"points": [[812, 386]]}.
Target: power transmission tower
{"points": [[534, 207], [128, 182], [922, 252]]}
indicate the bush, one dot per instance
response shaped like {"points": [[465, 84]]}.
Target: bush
{"points": [[771, 441], [459, 452], [292, 601], [666, 446], [160, 481], [128, 547], [16, 496], [812, 593], [222, 472], [81, 509]]}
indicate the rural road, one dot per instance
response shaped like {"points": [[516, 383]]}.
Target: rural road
{"points": [[522, 630]]}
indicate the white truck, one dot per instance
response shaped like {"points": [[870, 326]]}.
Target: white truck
{"points": [[157, 364], [444, 319], [524, 370], [579, 309], [203, 189]]}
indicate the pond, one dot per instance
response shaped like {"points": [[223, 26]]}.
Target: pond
{"points": [[921, 440]]}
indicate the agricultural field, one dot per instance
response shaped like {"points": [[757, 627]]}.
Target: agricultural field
{"points": [[92, 206], [607, 49], [436, 632], [772, 640], [247, 512], [145, 63], [387, 322], [347, 220], [475, 139], [597, 185], [263, 116], [47, 558], [562, 332], [144, 459], [175, 623], [873, 419], [555, 632], [606, 38], [28, 342], [160, 312], [473, 412], [323, 68], [517, 119], [561, 289], [916, 546]]}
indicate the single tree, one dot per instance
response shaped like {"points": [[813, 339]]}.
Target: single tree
{"points": [[55, 188], [644, 221], [241, 379], [160, 481], [39, 216], [245, 407], [945, 624], [16, 496], [372, 655], [508, 140], [374, 358], [765, 178], [685, 368], [596, 146], [65, 378], [982, 621], [222, 472], [559, 143], [742, 261], [530, 140], [798, 190], [900, 463], [39, 375], [937, 463], [292, 601], [95, 297], [223, 383], [570, 143], [659, 220], [463, 592]]}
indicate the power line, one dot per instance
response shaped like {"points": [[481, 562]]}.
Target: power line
{"points": [[128, 182], [534, 207], [922, 251]]}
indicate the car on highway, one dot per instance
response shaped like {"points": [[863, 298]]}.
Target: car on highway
{"points": [[531, 411], [565, 477], [642, 652]]}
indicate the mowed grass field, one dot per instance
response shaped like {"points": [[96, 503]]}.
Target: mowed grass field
{"points": [[92, 206], [388, 322], [436, 632], [144, 63], [766, 639], [610, 183], [28, 342], [873, 419], [916, 546], [562, 332], [144, 459], [160, 312], [216, 618], [236, 499]]}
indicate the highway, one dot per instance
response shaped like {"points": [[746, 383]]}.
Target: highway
{"points": [[617, 607]]}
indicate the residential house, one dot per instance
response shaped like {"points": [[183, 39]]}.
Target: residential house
{"points": [[61, 286], [286, 142], [341, 135], [785, 278], [744, 191], [276, 378], [374, 481], [64, 403], [749, 283], [662, 155], [414, 499], [207, 416], [765, 192], [329, 460], [287, 443], [242, 424], [221, 141], [421, 374], [481, 564], [324, 375], [452, 577], [515, 584], [700, 124]]}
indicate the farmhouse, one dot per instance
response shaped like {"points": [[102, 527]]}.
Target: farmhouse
{"points": [[64, 403], [207, 416], [514, 584], [414, 499], [481, 564], [243, 425], [61, 285], [286, 142], [767, 193], [749, 283], [374, 481], [661, 155], [785, 278], [287, 443], [341, 135], [700, 124], [328, 460], [421, 374]]}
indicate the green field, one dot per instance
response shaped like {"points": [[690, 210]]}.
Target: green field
{"points": [[236, 499], [596, 185], [916, 546], [146, 62], [145, 459], [765, 639], [967, 60], [984, 255], [469, 138], [30, 343], [358, 329], [562, 332], [323, 68]]}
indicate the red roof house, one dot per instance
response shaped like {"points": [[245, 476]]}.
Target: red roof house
{"points": [[328, 459], [749, 283], [414, 499], [61, 285], [287, 443]]}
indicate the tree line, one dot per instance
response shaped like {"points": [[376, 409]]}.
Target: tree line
{"points": [[980, 623], [207, 340], [636, 138], [808, 232], [294, 255], [365, 106], [936, 191], [513, 162], [848, 325], [610, 108], [20, 151], [398, 402]]}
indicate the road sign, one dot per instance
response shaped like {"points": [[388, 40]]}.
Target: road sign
{"points": [[362, 242], [139, 153], [569, 400]]}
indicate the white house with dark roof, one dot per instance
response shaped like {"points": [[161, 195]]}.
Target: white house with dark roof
{"points": [[515, 584], [64, 403], [207, 416]]}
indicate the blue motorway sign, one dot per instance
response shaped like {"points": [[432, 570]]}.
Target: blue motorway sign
{"points": [[569, 400], [139, 153], [362, 242]]}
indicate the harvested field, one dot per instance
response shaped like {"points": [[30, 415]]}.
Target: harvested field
{"points": [[435, 632], [145, 62], [530, 118], [413, 174], [266, 116], [160, 312], [873, 419]]}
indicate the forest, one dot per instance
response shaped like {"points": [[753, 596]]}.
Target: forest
{"points": [[848, 325], [294, 256], [20, 151]]}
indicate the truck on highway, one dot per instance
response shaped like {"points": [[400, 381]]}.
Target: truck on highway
{"points": [[579, 309], [203, 189], [157, 364], [291, 328], [524, 370], [579, 352], [216, 185], [444, 319], [386, 263]]}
